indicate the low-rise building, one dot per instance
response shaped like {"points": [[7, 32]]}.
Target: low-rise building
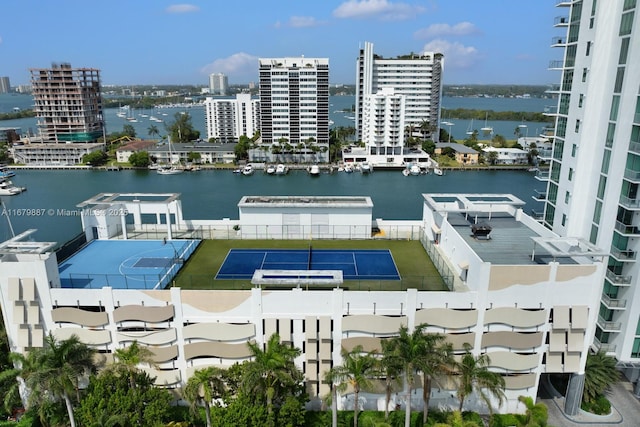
{"points": [[464, 155], [507, 156], [35, 153], [123, 153], [209, 153]]}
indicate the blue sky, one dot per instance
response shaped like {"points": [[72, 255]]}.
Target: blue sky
{"points": [[160, 42]]}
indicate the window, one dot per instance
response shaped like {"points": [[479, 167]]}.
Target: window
{"points": [[635, 351], [602, 185], [606, 158], [597, 211], [574, 148], [624, 51], [617, 88], [588, 48], [615, 103], [580, 100], [567, 196], [577, 125], [564, 220], [626, 23], [570, 174], [593, 237], [584, 74], [629, 4]]}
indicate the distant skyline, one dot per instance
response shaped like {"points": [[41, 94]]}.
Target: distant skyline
{"points": [[160, 42]]}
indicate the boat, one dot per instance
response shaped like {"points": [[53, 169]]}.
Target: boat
{"points": [[348, 167], [366, 168], [8, 189], [486, 129], [170, 169], [438, 171], [470, 128], [406, 172], [314, 170], [247, 170], [415, 169], [6, 173], [270, 170], [281, 169]]}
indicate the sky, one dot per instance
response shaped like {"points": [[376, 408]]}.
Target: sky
{"points": [[161, 42]]}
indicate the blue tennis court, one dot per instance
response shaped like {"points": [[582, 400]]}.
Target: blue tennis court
{"points": [[367, 264], [126, 264]]}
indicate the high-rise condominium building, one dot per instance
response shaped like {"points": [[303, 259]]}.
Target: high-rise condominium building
{"points": [[417, 77], [595, 165], [68, 103], [218, 84], [5, 86], [294, 106], [229, 119]]}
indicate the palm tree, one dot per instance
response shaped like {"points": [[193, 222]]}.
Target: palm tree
{"points": [[436, 359], [127, 359], [356, 370], [599, 374], [536, 415], [455, 420], [391, 371], [153, 131], [54, 371], [474, 375], [204, 386], [272, 370], [405, 352], [329, 378]]}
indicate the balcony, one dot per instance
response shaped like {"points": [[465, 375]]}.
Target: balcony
{"points": [[540, 196], [563, 3], [629, 203], [631, 175], [636, 118], [537, 215], [626, 229], [608, 326], [613, 304], [556, 64], [618, 279], [542, 175], [623, 255], [557, 41], [561, 21], [545, 154], [607, 348], [634, 147]]}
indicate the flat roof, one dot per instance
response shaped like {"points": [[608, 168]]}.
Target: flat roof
{"points": [[306, 201], [18, 245], [109, 199]]}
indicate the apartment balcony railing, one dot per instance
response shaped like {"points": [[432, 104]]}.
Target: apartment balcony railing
{"points": [[608, 326], [563, 3], [618, 279], [558, 41], [553, 89], [632, 175], [607, 348], [636, 118], [623, 255], [627, 229], [540, 195], [629, 203], [546, 154], [556, 64], [614, 304], [561, 21], [550, 110], [634, 147], [543, 175]]}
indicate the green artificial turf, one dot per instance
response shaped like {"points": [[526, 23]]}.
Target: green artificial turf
{"points": [[415, 266]]}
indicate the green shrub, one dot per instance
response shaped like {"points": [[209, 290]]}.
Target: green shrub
{"points": [[601, 406]]}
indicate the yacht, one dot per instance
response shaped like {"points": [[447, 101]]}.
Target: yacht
{"points": [[247, 170], [438, 171], [415, 169], [270, 170], [366, 168], [6, 173], [314, 170], [281, 169], [348, 167], [8, 189], [170, 169]]}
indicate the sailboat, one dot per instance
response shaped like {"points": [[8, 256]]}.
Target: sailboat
{"points": [[486, 129], [470, 128], [171, 169]]}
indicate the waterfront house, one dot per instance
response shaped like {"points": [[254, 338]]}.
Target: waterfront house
{"points": [[464, 155]]}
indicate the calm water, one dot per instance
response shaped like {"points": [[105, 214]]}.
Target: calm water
{"points": [[215, 194], [338, 105]]}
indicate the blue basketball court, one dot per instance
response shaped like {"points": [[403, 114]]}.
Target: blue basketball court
{"points": [[126, 264], [368, 264]]}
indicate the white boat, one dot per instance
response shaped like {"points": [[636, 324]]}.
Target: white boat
{"points": [[281, 169], [270, 170], [415, 169], [8, 189], [314, 170], [366, 168], [438, 171], [470, 128], [247, 170], [406, 172], [348, 167], [486, 129], [170, 169], [6, 173]]}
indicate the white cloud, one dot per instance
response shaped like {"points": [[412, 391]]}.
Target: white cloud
{"points": [[182, 8], [304, 21], [382, 9], [238, 64], [440, 30], [456, 55]]}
